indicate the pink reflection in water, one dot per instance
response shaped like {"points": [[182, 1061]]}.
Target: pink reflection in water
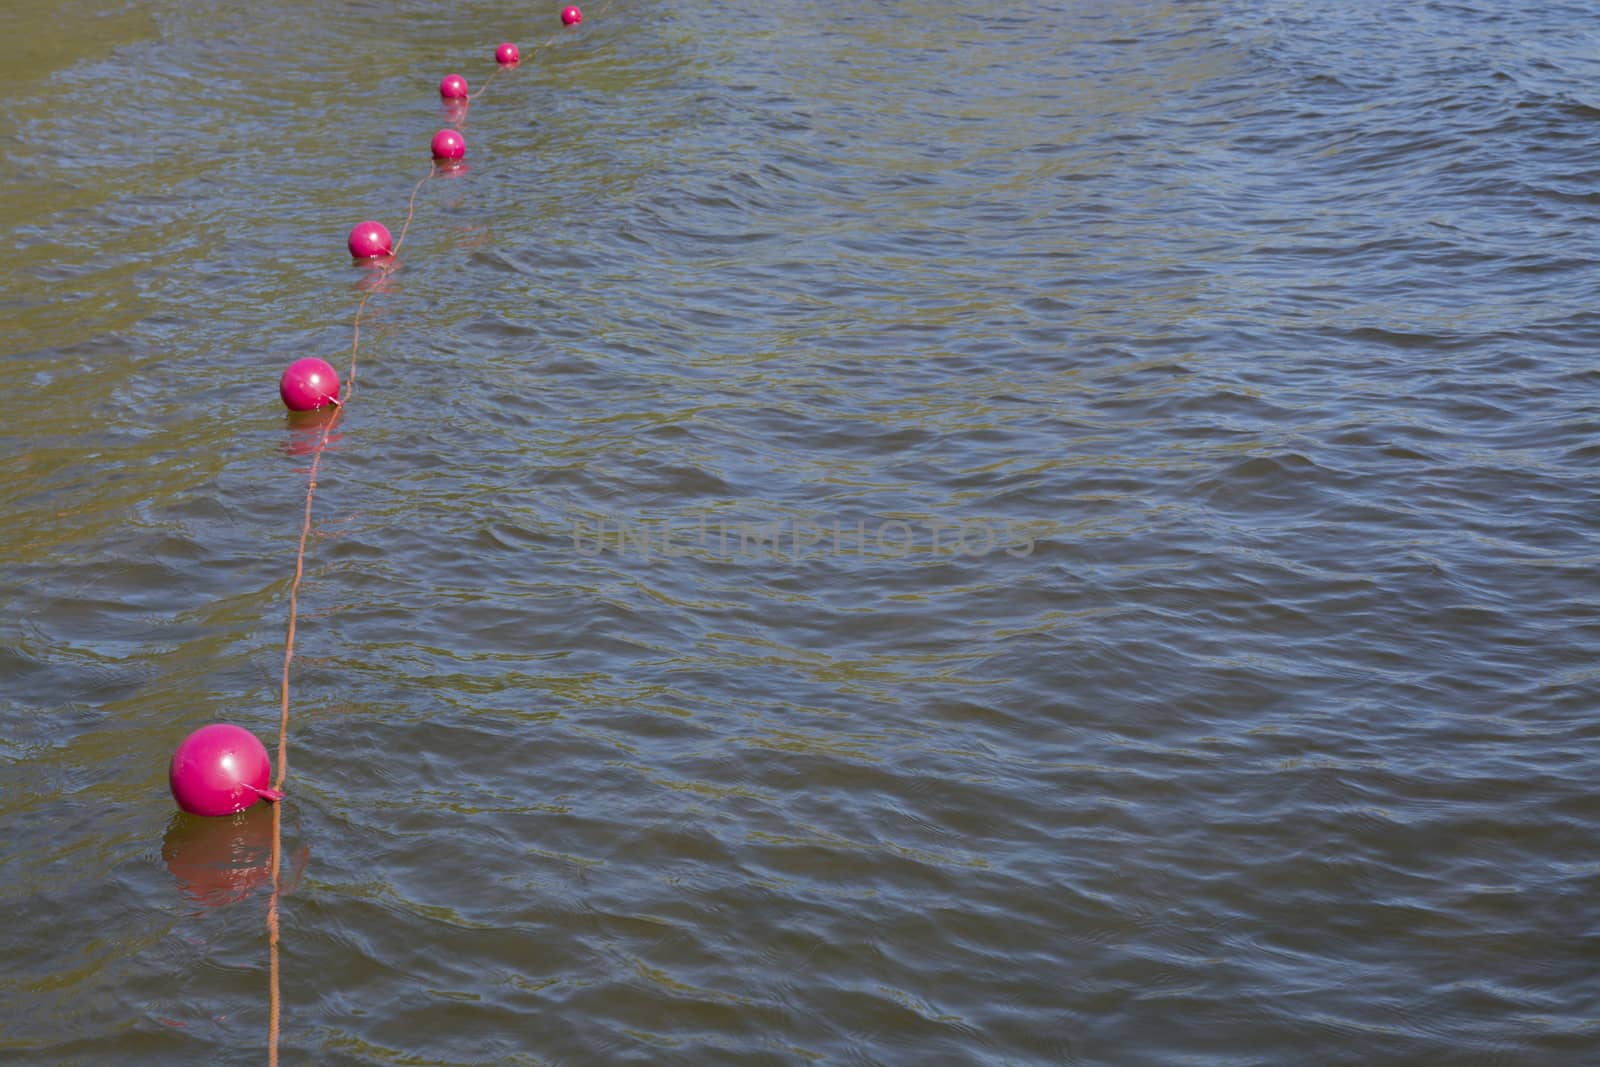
{"points": [[220, 861], [306, 429]]}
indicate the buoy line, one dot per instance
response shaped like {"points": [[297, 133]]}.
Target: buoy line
{"points": [[222, 769]]}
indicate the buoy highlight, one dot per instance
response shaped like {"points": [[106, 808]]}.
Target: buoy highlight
{"points": [[448, 144], [507, 55], [370, 239], [571, 16], [453, 87], [308, 384], [220, 769]]}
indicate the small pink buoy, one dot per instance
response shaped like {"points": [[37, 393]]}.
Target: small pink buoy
{"points": [[308, 384], [571, 16], [370, 239], [507, 55], [220, 769], [448, 144], [453, 87]]}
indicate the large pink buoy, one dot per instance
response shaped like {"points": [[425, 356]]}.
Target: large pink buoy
{"points": [[507, 55], [220, 769], [370, 239], [448, 144], [308, 384], [453, 87], [570, 15]]}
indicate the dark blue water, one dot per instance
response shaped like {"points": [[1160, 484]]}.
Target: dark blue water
{"points": [[908, 534]]}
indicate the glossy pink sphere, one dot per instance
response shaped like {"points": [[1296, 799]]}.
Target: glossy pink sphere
{"points": [[220, 769], [308, 384], [507, 54], [453, 87], [370, 239], [571, 16], [448, 144]]}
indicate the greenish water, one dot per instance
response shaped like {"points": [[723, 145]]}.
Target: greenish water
{"points": [[36, 40]]}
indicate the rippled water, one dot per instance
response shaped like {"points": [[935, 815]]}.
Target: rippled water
{"points": [[917, 533]]}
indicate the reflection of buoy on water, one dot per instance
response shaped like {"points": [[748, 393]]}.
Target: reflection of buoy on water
{"points": [[571, 16], [220, 769], [308, 384], [219, 861], [448, 144], [310, 432], [507, 55], [370, 239], [453, 87]]}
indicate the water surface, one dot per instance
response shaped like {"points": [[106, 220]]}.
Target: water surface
{"points": [[930, 534]]}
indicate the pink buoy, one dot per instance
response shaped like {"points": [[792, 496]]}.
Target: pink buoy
{"points": [[453, 87], [370, 239], [308, 384], [448, 144], [571, 16], [220, 769], [507, 55]]}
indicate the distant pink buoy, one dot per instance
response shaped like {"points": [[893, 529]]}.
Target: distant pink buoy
{"points": [[220, 769], [370, 239], [453, 87], [507, 55], [308, 384], [571, 16], [448, 144]]}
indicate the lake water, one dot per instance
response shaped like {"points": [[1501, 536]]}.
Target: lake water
{"points": [[898, 533]]}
